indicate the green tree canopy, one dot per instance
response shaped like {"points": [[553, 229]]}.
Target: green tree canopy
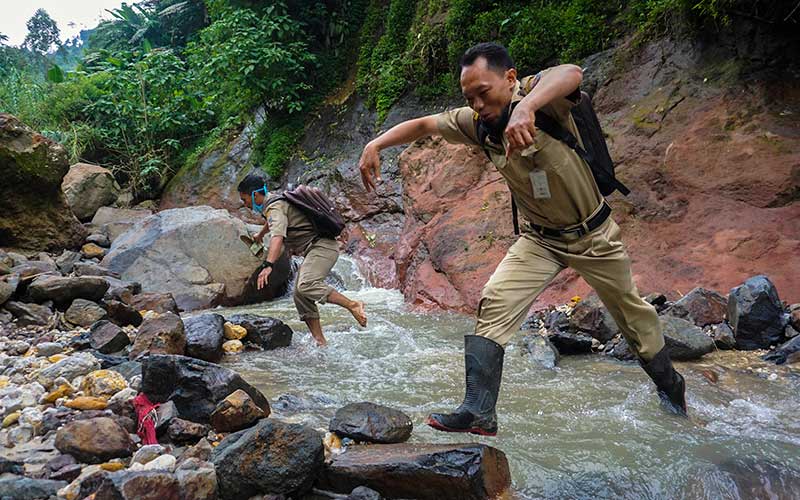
{"points": [[43, 33]]}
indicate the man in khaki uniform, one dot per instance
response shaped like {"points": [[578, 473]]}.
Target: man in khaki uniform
{"points": [[289, 226], [567, 224]]}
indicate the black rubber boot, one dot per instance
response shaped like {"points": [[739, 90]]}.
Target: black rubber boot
{"points": [[483, 360], [670, 384]]}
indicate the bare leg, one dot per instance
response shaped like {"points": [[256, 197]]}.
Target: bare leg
{"points": [[355, 307], [316, 331]]}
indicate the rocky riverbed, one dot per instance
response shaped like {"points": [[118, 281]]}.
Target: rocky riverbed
{"points": [[88, 360]]}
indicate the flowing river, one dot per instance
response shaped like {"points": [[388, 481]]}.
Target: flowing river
{"points": [[591, 428]]}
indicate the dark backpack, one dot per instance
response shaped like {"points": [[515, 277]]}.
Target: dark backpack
{"points": [[320, 210], [594, 153]]}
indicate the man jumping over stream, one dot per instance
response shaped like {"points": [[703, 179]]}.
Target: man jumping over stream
{"points": [[567, 223]]}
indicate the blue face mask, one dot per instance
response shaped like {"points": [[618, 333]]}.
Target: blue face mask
{"points": [[256, 207]]}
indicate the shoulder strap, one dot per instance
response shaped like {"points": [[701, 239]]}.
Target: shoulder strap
{"points": [[551, 127]]}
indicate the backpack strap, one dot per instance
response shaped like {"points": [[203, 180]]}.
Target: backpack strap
{"points": [[551, 127], [284, 198]]}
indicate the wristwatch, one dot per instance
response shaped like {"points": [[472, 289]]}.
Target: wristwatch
{"points": [[266, 264]]}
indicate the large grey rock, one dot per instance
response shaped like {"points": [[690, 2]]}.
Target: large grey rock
{"points": [[122, 314], [540, 351], [722, 335], [755, 314], [63, 290], [92, 269], [684, 340], [198, 479], [204, 336], [420, 471], [371, 423], [35, 214], [87, 188], [84, 313], [114, 222], [157, 302], [69, 368], [195, 386], [94, 440], [700, 306], [194, 253], [29, 314], [8, 285], [67, 260], [570, 343], [25, 488], [271, 457], [264, 331], [160, 335]]}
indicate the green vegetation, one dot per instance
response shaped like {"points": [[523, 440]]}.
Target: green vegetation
{"points": [[149, 91]]}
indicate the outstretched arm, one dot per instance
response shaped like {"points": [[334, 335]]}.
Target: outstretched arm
{"points": [[402, 133]]}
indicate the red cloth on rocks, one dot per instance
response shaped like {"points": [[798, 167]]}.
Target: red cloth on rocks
{"points": [[148, 418]]}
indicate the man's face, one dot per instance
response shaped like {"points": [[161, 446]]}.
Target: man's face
{"points": [[248, 202], [487, 91]]}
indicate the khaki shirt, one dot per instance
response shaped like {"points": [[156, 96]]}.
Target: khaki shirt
{"points": [[573, 193], [284, 219]]}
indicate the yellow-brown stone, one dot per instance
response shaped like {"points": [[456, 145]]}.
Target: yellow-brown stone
{"points": [[61, 391], [233, 346], [87, 403], [103, 383], [91, 250], [11, 419], [234, 332]]}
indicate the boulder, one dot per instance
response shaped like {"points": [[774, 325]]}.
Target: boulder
{"points": [[63, 290], [147, 453], [371, 423], [569, 343], [198, 479], [87, 188], [196, 275], [421, 471], [29, 314], [204, 336], [69, 368], [700, 306], [107, 337], [35, 213], [788, 352], [92, 269], [99, 239], [236, 412], [132, 485], [755, 314], [195, 386], [8, 285], [591, 317], [26, 488], [684, 340], [94, 440], [271, 457], [103, 383], [67, 260], [722, 335], [266, 332], [540, 351], [84, 313], [163, 334], [157, 302], [182, 431], [113, 222], [122, 314]]}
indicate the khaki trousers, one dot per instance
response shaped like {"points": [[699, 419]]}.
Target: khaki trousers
{"points": [[599, 257], [310, 287]]}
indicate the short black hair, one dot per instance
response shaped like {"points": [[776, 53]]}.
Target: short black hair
{"points": [[497, 57], [252, 182]]}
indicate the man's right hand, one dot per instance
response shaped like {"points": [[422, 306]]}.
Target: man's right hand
{"points": [[370, 166]]}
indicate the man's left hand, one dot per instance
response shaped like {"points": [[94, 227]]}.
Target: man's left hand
{"points": [[520, 130], [263, 278]]}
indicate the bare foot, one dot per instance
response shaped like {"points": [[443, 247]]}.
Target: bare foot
{"points": [[359, 313]]}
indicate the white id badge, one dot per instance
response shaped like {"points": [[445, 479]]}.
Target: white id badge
{"points": [[541, 189]]}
